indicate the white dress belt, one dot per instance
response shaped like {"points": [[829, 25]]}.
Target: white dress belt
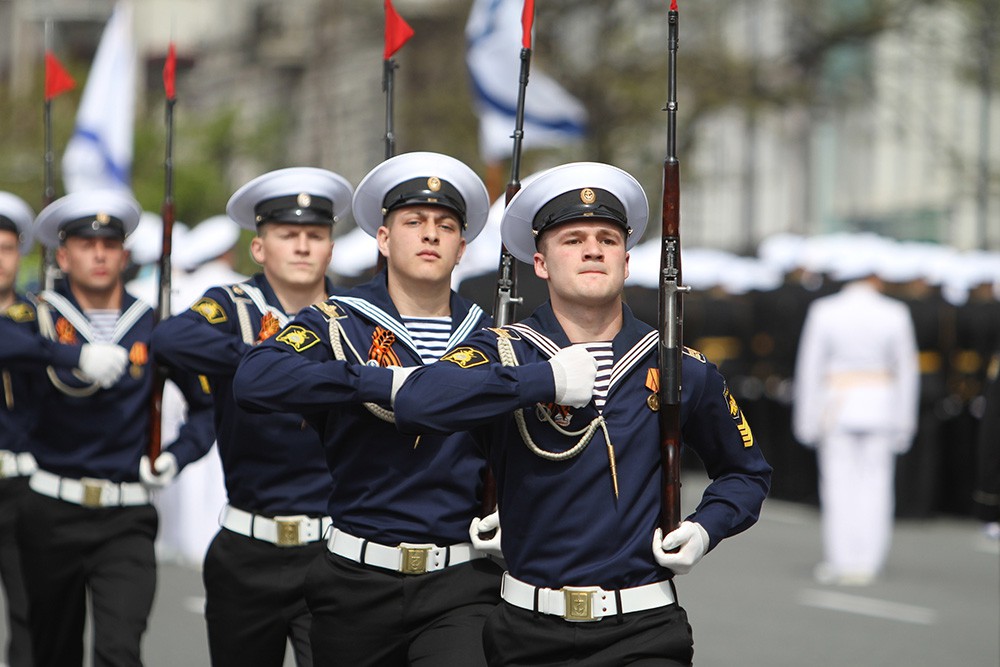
{"points": [[89, 492], [585, 603], [406, 558], [20, 464], [283, 531]]}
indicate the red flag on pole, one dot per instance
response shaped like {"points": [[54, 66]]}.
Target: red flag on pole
{"points": [[397, 31], [57, 79], [170, 72], [527, 19]]}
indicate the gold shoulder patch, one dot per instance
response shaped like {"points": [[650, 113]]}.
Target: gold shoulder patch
{"points": [[330, 310], [210, 310], [298, 338], [21, 312], [466, 357], [691, 352]]}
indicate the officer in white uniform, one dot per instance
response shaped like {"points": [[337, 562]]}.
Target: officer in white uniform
{"points": [[856, 393]]}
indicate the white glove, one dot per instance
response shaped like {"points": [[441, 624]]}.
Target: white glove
{"points": [[480, 526], [574, 371], [692, 540], [103, 363], [399, 375], [166, 470]]}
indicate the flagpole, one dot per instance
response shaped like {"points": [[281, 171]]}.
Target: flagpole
{"points": [[388, 79], [165, 269], [49, 272]]}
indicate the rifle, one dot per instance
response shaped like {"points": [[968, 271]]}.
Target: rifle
{"points": [[162, 310], [506, 298], [670, 312]]}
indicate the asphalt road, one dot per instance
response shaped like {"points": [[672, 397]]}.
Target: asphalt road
{"points": [[753, 601]]}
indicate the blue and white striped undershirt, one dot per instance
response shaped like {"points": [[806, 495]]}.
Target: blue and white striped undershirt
{"points": [[430, 335], [604, 355], [103, 323]]}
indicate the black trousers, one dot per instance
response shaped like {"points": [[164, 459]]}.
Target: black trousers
{"points": [[369, 616], [12, 493], [68, 551], [658, 637], [255, 600]]}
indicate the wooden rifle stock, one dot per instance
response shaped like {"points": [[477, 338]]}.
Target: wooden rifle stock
{"points": [[670, 315]]}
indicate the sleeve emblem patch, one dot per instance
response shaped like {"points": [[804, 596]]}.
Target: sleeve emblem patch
{"points": [[20, 312], [466, 357], [297, 338], [741, 422], [210, 310]]}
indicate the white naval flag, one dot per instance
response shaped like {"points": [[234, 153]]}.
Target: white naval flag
{"points": [[552, 116], [99, 154]]}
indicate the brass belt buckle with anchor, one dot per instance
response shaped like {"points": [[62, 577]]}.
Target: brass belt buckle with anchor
{"points": [[579, 603]]}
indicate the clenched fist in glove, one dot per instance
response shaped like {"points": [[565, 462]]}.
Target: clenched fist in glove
{"points": [[103, 363], [692, 541], [574, 371], [480, 527], [166, 469]]}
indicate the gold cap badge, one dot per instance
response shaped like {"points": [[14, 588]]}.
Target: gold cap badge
{"points": [[434, 183], [587, 196], [303, 199]]}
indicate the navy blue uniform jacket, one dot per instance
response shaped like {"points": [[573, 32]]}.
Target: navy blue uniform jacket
{"points": [[562, 525], [86, 431], [273, 464], [387, 487]]}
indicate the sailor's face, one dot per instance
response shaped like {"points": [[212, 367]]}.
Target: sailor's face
{"points": [[93, 264], [422, 243], [293, 254], [583, 262], [10, 259]]}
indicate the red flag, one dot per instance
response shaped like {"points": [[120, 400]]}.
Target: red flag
{"points": [[527, 19], [170, 72], [57, 79], [397, 31]]}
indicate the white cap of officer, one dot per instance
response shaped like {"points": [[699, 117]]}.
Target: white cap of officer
{"points": [[422, 178], [16, 216], [88, 214], [207, 240], [145, 243], [578, 191], [296, 195]]}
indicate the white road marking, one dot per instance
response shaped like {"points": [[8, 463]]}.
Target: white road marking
{"points": [[856, 604]]}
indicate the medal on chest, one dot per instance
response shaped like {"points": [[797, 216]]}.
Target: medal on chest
{"points": [[381, 353]]}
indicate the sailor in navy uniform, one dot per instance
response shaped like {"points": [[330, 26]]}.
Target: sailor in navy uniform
{"points": [[276, 480], [87, 531], [401, 583], [566, 403], [18, 416]]}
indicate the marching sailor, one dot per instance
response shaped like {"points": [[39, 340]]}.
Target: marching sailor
{"points": [[401, 582], [566, 404]]}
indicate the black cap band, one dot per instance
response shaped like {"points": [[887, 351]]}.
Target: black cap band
{"points": [[425, 190], [302, 209], [589, 204], [100, 225], [7, 225]]}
